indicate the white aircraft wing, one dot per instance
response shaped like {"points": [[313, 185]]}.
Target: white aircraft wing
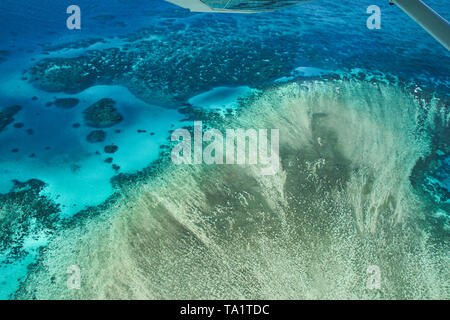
{"points": [[430, 20]]}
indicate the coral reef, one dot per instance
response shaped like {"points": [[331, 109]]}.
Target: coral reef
{"points": [[111, 148], [96, 136], [102, 114], [7, 116], [168, 68], [24, 212], [66, 103]]}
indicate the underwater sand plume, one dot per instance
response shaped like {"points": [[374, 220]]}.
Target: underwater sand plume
{"points": [[341, 202]]}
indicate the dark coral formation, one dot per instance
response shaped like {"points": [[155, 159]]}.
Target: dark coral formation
{"points": [[168, 68], [24, 212], [96, 136], [66, 103], [63, 75], [7, 116], [102, 114], [111, 148]]}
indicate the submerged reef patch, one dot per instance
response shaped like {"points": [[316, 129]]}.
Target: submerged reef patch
{"points": [[102, 114], [96, 136], [111, 148], [7, 116], [63, 75], [66, 103], [24, 213], [168, 68]]}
